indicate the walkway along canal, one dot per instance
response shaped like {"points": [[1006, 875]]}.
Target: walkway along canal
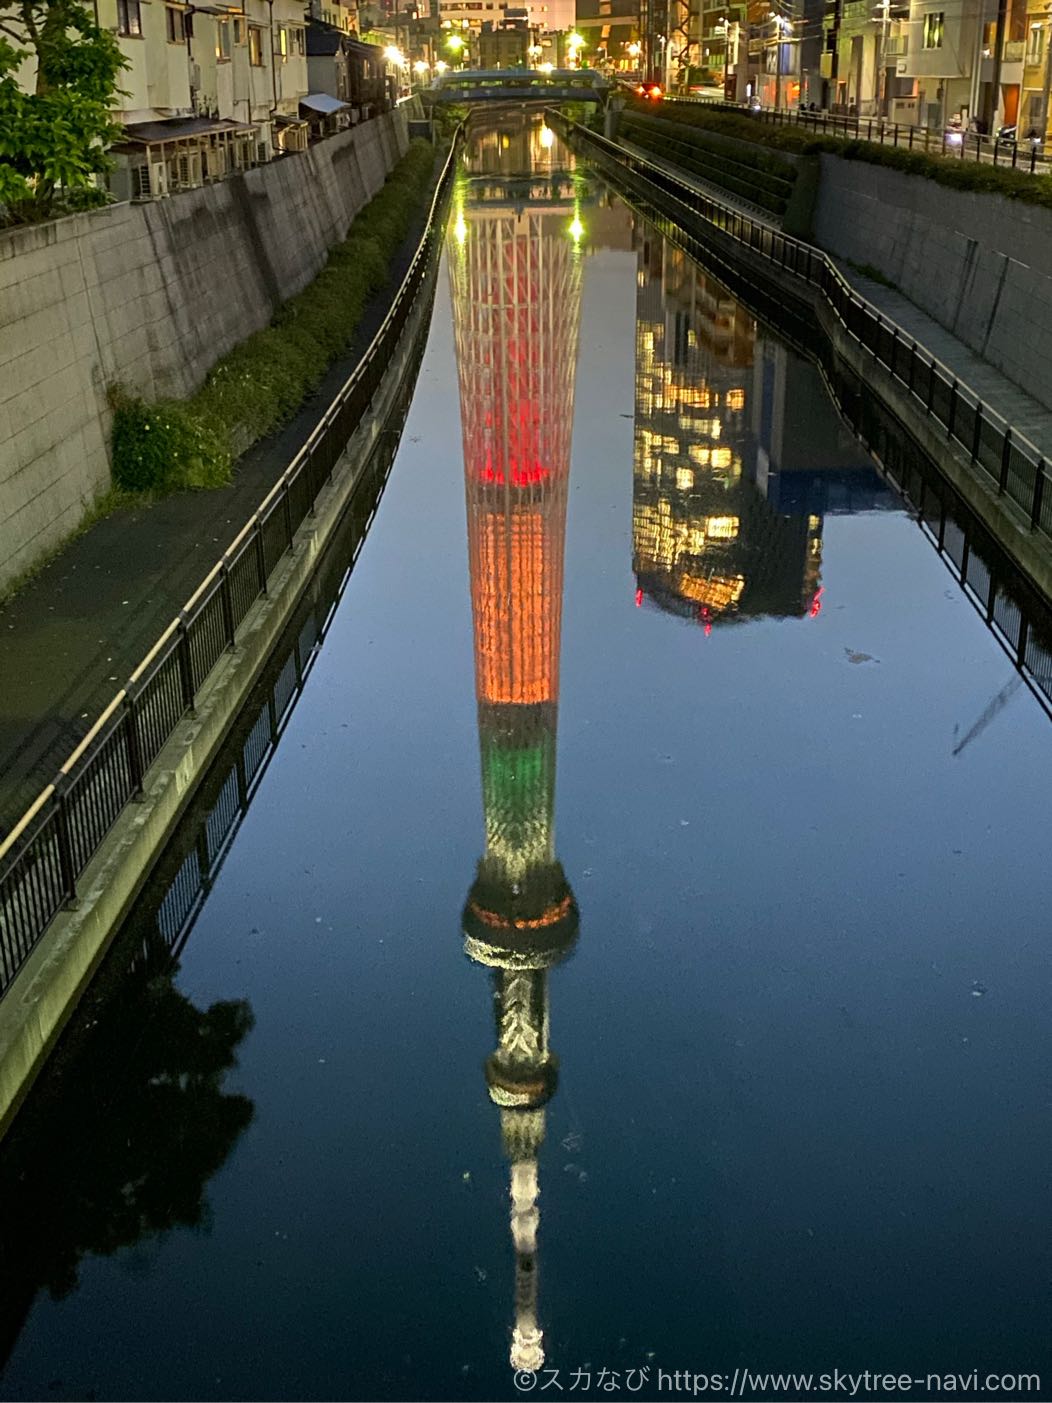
{"points": [[742, 1065]]}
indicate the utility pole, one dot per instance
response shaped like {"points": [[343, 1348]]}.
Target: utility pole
{"points": [[882, 72], [991, 100], [1042, 125]]}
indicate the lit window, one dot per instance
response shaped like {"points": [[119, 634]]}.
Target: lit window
{"points": [[933, 28], [222, 40], [283, 42], [255, 46], [129, 20]]}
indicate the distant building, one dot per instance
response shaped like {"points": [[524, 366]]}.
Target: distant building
{"points": [[610, 28], [504, 45]]}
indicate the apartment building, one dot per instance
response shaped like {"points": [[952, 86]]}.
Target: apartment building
{"points": [[208, 89]]}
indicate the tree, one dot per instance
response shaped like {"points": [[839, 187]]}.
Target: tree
{"points": [[53, 140]]}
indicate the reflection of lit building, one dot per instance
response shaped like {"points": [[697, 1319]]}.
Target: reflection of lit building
{"points": [[515, 270], [706, 542]]}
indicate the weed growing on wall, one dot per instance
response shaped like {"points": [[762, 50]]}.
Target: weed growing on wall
{"points": [[260, 384]]}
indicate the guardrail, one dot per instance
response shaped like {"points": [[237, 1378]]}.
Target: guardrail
{"points": [[43, 857], [1026, 155]]}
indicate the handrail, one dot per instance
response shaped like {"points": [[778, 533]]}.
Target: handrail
{"points": [[42, 857]]}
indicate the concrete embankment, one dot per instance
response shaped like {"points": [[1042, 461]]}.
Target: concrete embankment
{"points": [[149, 296], [55, 974]]}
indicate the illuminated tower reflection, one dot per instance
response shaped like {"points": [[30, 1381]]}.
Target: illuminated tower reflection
{"points": [[707, 543], [515, 272]]}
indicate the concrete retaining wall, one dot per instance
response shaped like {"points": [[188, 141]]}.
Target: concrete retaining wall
{"points": [[980, 265], [150, 295]]}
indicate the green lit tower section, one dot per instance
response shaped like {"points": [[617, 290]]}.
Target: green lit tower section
{"points": [[516, 297]]}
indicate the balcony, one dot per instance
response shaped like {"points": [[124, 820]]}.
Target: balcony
{"points": [[1014, 50]]}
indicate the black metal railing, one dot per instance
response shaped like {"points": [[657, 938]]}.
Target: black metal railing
{"points": [[1010, 462], [43, 857], [1027, 155]]}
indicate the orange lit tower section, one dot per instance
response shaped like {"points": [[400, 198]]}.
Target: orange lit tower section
{"points": [[516, 294]]}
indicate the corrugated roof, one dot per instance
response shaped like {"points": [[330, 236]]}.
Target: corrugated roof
{"points": [[322, 103]]}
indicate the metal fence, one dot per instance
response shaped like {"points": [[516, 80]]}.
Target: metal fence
{"points": [[1026, 155], [43, 857], [1013, 464]]}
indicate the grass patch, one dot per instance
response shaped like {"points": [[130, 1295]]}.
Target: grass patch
{"points": [[176, 444], [951, 171]]}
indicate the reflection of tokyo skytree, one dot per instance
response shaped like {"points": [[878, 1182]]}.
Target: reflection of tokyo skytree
{"points": [[515, 276]]}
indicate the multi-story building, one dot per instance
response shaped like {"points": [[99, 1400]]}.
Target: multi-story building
{"points": [[206, 91], [611, 31], [458, 16]]}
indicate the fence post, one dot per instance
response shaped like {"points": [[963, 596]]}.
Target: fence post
{"points": [[66, 866], [227, 603], [977, 432], [261, 558], [131, 725], [186, 667], [1039, 495], [953, 408], [286, 506], [931, 385], [1006, 459]]}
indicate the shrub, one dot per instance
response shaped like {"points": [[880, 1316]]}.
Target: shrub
{"points": [[166, 445], [262, 382]]}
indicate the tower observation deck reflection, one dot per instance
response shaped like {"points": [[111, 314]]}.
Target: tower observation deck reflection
{"points": [[515, 273]]}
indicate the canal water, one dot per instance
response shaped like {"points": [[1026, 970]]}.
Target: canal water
{"points": [[620, 945]]}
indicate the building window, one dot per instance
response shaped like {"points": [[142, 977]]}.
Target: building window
{"points": [[222, 39], [1035, 43], [933, 27], [239, 31], [129, 20], [175, 25], [255, 46], [299, 41], [283, 42]]}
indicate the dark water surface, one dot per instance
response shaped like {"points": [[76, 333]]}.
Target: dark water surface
{"points": [[729, 1048]]}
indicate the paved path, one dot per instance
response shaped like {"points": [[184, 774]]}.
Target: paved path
{"points": [[69, 639]]}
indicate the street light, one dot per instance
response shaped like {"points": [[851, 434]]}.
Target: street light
{"points": [[574, 44]]}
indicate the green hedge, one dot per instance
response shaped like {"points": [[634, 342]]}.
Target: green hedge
{"points": [[262, 382], [951, 171]]}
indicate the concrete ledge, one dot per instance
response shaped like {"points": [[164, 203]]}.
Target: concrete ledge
{"points": [[49, 984]]}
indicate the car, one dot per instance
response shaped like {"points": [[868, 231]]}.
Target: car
{"points": [[651, 90]]}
